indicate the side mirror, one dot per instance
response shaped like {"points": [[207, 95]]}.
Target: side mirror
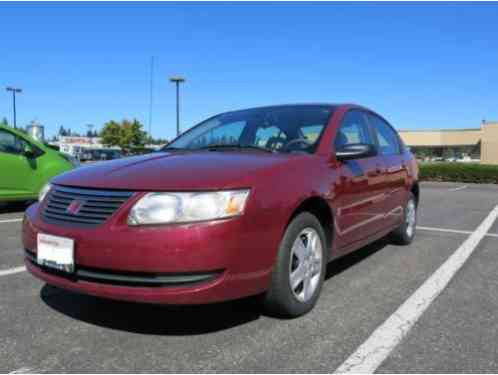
{"points": [[29, 152], [355, 151]]}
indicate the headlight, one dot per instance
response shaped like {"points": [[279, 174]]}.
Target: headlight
{"points": [[43, 192], [164, 208]]}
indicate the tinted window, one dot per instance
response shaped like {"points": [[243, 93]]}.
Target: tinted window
{"points": [[353, 130], [10, 143], [386, 136]]}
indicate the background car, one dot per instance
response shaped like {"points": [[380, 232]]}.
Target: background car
{"points": [[26, 165]]}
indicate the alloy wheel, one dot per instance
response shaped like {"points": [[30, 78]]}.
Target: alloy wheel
{"points": [[305, 266], [411, 217]]}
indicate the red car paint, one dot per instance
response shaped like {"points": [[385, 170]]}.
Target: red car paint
{"points": [[243, 249]]}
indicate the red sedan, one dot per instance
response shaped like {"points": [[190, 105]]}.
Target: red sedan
{"points": [[248, 202]]}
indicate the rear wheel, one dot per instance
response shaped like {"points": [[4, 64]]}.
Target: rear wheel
{"points": [[299, 269], [405, 233]]}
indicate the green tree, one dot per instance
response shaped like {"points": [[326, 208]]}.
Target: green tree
{"points": [[125, 134], [4, 122]]}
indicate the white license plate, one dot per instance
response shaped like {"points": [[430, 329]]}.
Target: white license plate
{"points": [[55, 252]]}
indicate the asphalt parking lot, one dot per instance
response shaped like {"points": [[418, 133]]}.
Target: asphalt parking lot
{"points": [[43, 329]]}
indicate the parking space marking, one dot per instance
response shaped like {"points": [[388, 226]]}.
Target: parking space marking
{"points": [[445, 230], [24, 370], [459, 188], [11, 220], [12, 271], [370, 355]]}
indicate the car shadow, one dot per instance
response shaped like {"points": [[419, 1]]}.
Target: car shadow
{"points": [[341, 264], [152, 319], [176, 320], [13, 207]]}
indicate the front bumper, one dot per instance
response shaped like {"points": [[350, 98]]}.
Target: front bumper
{"points": [[174, 264]]}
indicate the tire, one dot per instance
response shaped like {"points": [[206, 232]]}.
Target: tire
{"points": [[405, 233], [307, 264]]}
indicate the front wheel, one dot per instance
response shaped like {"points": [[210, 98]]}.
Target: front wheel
{"points": [[404, 234], [299, 270]]}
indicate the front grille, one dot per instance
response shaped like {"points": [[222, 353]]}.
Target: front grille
{"points": [[92, 207]]}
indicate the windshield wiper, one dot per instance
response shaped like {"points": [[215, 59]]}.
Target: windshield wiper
{"points": [[216, 146]]}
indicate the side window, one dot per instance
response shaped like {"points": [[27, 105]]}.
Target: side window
{"points": [[386, 137], [9, 143], [353, 130]]}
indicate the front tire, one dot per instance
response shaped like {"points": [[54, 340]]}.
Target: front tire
{"points": [[299, 270], [405, 233]]}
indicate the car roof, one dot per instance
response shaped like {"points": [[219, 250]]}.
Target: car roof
{"points": [[333, 106]]}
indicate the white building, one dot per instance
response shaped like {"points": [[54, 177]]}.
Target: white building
{"points": [[77, 145]]}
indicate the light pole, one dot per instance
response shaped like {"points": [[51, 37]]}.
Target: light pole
{"points": [[14, 91], [177, 81]]}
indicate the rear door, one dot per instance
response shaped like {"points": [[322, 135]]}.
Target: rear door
{"points": [[390, 149], [15, 168], [360, 192]]}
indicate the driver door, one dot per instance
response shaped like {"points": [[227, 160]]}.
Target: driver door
{"points": [[15, 168]]}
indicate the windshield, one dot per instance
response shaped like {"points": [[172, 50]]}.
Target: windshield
{"points": [[275, 129]]}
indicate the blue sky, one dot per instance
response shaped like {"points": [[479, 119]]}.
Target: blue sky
{"points": [[420, 65]]}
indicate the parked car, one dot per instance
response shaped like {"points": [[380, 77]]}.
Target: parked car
{"points": [[26, 165], [248, 202]]}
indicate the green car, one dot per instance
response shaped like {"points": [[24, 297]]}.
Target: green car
{"points": [[26, 165]]}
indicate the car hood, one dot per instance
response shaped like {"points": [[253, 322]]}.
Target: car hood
{"points": [[164, 171]]}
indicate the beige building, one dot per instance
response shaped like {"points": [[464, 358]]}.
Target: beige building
{"points": [[480, 143]]}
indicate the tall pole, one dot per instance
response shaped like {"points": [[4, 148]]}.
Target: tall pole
{"points": [[177, 81], [14, 104], [177, 108], [151, 93], [14, 91]]}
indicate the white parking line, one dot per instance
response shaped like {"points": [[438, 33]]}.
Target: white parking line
{"points": [[11, 220], [433, 229], [370, 355], [459, 188], [12, 271], [25, 370]]}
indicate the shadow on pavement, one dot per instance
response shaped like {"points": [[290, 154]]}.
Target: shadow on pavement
{"points": [[151, 319], [14, 207], [341, 264]]}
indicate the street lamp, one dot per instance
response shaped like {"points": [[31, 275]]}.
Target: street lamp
{"points": [[177, 81], [14, 91]]}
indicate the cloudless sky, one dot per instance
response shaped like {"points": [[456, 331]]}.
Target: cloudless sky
{"points": [[420, 65]]}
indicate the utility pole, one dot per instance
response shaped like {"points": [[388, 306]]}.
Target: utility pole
{"points": [[177, 81], [14, 90], [151, 94]]}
